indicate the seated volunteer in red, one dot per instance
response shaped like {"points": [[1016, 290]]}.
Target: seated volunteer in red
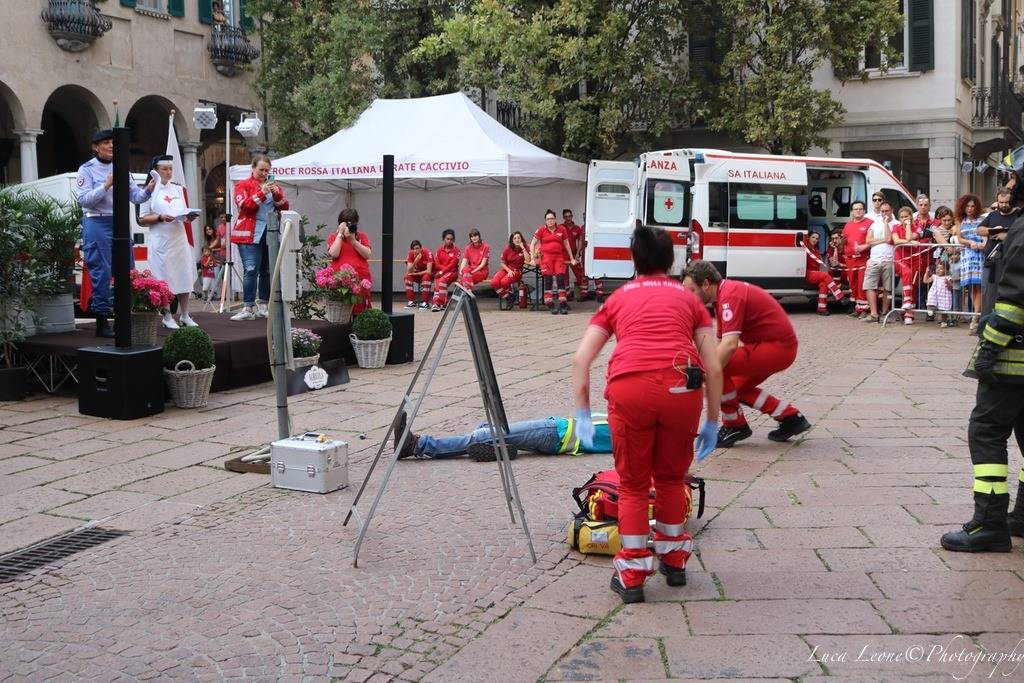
{"points": [[661, 329], [817, 275], [349, 245], [446, 268], [476, 261], [513, 257], [554, 247], [419, 269], [748, 314]]}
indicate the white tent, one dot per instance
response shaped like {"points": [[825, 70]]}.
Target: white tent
{"points": [[455, 167]]}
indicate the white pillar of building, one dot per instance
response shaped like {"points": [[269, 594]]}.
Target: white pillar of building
{"points": [[190, 166], [943, 171], [29, 160]]}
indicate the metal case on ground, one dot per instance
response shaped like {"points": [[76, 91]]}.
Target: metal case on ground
{"points": [[309, 462]]}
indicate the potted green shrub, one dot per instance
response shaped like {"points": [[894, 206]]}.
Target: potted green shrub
{"points": [[188, 366], [305, 347], [57, 227], [371, 338], [20, 280]]}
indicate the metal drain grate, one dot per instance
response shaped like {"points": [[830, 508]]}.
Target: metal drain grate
{"points": [[55, 549]]}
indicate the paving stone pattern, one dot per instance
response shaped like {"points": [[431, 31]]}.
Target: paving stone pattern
{"points": [[816, 560]]}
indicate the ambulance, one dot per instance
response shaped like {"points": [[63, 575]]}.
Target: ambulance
{"points": [[747, 213]]}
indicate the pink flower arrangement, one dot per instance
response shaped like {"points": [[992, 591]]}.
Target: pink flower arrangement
{"points": [[342, 285], [148, 293]]}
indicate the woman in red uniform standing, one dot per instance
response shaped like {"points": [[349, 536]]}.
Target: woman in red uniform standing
{"points": [[446, 268], [349, 245], [476, 261], [664, 336], [554, 246], [513, 258]]}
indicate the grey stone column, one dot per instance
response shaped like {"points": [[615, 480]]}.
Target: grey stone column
{"points": [[29, 161]]}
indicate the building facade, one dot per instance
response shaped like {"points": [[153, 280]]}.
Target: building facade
{"points": [[949, 109], [65, 63]]}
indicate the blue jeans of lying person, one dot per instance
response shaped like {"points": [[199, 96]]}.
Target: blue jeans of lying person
{"points": [[539, 436]]}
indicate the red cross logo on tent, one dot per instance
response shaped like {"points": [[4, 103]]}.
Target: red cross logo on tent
{"points": [[669, 203]]}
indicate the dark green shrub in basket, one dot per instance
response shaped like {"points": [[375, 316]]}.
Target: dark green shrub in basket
{"points": [[188, 343], [372, 324]]}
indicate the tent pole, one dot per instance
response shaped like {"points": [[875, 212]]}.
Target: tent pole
{"points": [[508, 193]]}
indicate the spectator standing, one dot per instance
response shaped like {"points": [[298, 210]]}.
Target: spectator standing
{"points": [[553, 243], [994, 228], [965, 232], [348, 245], [879, 273], [577, 243], [419, 266], [940, 294], [855, 253], [912, 259]]}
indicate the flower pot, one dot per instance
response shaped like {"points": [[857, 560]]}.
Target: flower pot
{"points": [[338, 312], [55, 313], [305, 361], [190, 388], [13, 383], [370, 353], [144, 327]]}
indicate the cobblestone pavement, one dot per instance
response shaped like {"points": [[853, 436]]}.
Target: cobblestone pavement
{"points": [[813, 557]]}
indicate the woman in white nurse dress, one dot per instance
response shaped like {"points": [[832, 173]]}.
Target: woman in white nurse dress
{"points": [[170, 256]]}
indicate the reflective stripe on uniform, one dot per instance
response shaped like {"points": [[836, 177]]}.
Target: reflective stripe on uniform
{"points": [[992, 469], [730, 416], [731, 396], [665, 547], [1020, 476], [640, 564], [633, 540], [1008, 369], [990, 487], [762, 396], [995, 336], [670, 529], [783, 407], [1012, 312], [570, 444]]}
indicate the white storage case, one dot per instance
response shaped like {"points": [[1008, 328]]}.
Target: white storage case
{"points": [[309, 462]]}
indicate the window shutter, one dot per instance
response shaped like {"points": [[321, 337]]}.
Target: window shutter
{"points": [[245, 22], [968, 48], [205, 11], [922, 35], [702, 54], [176, 8], [128, 3]]}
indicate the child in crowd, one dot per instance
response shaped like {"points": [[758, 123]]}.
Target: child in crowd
{"points": [[419, 265], [940, 293], [206, 265], [954, 278], [476, 261]]}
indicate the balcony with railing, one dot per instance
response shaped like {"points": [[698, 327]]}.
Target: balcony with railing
{"points": [[510, 115], [74, 24], [996, 116], [230, 49]]}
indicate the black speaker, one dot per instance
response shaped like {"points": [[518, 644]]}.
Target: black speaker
{"points": [[120, 383], [403, 327]]}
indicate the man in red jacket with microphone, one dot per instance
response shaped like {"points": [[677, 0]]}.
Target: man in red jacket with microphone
{"points": [[748, 314]]}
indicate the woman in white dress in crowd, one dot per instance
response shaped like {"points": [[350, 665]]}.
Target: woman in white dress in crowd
{"points": [[170, 256]]}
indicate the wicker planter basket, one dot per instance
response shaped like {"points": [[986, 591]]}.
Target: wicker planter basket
{"points": [[190, 388], [144, 327], [370, 353], [305, 361], [337, 311]]}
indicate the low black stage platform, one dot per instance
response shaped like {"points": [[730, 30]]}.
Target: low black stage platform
{"points": [[240, 349]]}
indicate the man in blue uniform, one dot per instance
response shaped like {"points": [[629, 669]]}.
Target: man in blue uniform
{"points": [[550, 436], [95, 194]]}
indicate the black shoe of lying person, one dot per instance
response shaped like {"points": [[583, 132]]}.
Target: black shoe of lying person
{"points": [[409, 447], [488, 452]]}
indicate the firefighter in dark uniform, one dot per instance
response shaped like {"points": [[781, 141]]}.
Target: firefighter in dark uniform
{"points": [[998, 364]]}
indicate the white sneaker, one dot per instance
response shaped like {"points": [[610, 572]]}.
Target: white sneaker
{"points": [[187, 321], [908, 321], [410, 304], [261, 311], [424, 305], [245, 314], [168, 322]]}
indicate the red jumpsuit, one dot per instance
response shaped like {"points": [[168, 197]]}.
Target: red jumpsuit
{"points": [[349, 256], [446, 269], [769, 346], [855, 233], [912, 262], [503, 281], [475, 255], [820, 280], [552, 261], [419, 262], [653, 418], [576, 238]]}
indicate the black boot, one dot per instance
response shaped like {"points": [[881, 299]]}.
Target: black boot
{"points": [[1015, 520], [674, 576], [103, 328], [987, 530], [628, 595], [409, 447], [790, 427]]}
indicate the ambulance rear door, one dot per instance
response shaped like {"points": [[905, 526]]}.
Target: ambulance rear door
{"points": [[765, 205], [611, 217], [665, 196]]}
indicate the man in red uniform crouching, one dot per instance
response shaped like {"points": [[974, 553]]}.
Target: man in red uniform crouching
{"points": [[746, 313]]}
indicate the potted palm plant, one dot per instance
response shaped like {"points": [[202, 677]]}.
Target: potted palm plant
{"points": [[341, 290], [188, 366], [57, 227], [371, 338], [151, 298]]}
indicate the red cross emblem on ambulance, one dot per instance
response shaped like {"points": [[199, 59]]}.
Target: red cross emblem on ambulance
{"points": [[669, 203]]}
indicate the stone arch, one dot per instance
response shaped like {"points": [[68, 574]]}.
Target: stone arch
{"points": [[147, 120], [12, 118], [70, 117]]}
